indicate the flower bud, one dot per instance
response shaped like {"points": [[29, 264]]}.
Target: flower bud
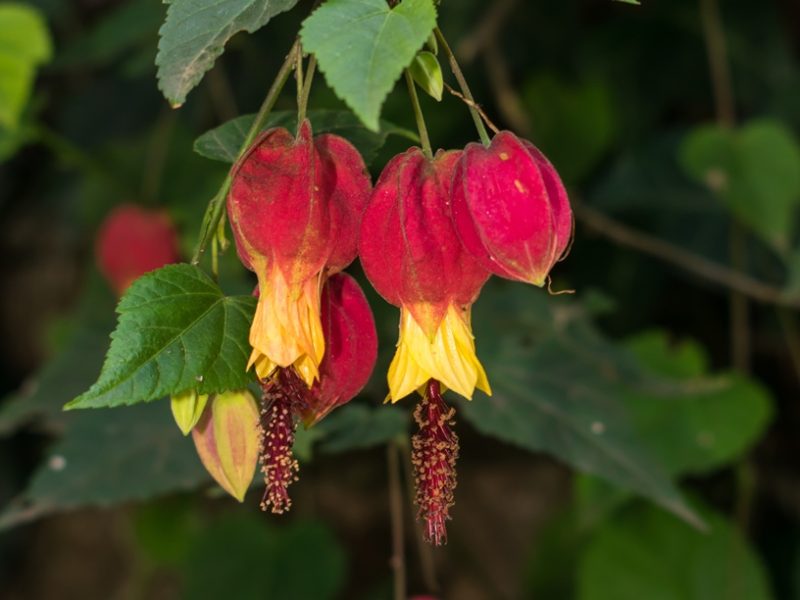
{"points": [[187, 408], [510, 208], [294, 207], [133, 241], [351, 347], [227, 440], [412, 256]]}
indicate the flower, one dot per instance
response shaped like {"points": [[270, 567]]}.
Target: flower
{"points": [[133, 241], [510, 208], [226, 439], [294, 207], [412, 256], [351, 350]]}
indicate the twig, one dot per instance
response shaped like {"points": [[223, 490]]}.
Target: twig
{"points": [[688, 261], [216, 207], [472, 105], [398, 562], [490, 25]]}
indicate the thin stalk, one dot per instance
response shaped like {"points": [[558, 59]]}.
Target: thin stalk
{"points": [[396, 510], [299, 79], [302, 104], [216, 207], [462, 83], [423, 130]]}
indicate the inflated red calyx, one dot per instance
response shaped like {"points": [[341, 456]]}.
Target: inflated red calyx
{"points": [[510, 208]]}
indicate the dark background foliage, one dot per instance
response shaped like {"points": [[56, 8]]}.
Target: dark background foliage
{"points": [[648, 390]]}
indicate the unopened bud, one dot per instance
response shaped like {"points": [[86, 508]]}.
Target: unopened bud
{"points": [[187, 408]]}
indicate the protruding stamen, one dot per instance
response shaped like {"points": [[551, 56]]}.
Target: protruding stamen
{"points": [[284, 396], [434, 451]]}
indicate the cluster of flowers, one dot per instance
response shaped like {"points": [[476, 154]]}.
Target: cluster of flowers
{"points": [[429, 235]]}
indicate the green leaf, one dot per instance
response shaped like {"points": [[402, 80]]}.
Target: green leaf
{"points": [[176, 331], [556, 386], [363, 46], [223, 143], [24, 45], [357, 426], [646, 554], [107, 457], [195, 32], [244, 557], [427, 72], [754, 171]]}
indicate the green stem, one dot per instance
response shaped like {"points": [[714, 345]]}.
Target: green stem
{"points": [[302, 104], [298, 76], [216, 207], [462, 83], [423, 130]]}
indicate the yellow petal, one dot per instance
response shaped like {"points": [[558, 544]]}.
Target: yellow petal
{"points": [[449, 357]]}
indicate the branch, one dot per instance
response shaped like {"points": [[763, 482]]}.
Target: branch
{"points": [[688, 261]]}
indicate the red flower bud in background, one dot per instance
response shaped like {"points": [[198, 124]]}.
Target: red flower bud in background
{"points": [[510, 208], [414, 259], [294, 207], [133, 241]]}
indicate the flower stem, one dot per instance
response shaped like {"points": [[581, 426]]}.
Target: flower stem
{"points": [[302, 104], [298, 76], [216, 207], [462, 83], [423, 130]]}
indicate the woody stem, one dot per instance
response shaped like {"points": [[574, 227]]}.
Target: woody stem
{"points": [[462, 83], [216, 207], [423, 130]]}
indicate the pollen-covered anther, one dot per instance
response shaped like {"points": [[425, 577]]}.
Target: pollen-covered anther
{"points": [[283, 396], [434, 452]]}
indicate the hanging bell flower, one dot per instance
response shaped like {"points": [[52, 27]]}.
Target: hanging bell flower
{"points": [[412, 256], [510, 209], [294, 207]]}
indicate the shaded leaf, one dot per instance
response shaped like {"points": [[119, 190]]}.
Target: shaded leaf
{"points": [[645, 553], [357, 426], [176, 331], [556, 385], [107, 457], [363, 46], [244, 557], [195, 32], [223, 143], [24, 45]]}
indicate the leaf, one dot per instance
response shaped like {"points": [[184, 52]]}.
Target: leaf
{"points": [[107, 457], [24, 45], [556, 385], [223, 143], [244, 557], [176, 331], [362, 47], [645, 554], [195, 32], [755, 172], [357, 426]]}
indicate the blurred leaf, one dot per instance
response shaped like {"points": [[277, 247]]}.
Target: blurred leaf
{"points": [[755, 171], [645, 553], [694, 422], [357, 426], [176, 331], [128, 26], [195, 32], [556, 386], [71, 370], [223, 143], [165, 529], [24, 45], [574, 125], [110, 456], [363, 68], [243, 557]]}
